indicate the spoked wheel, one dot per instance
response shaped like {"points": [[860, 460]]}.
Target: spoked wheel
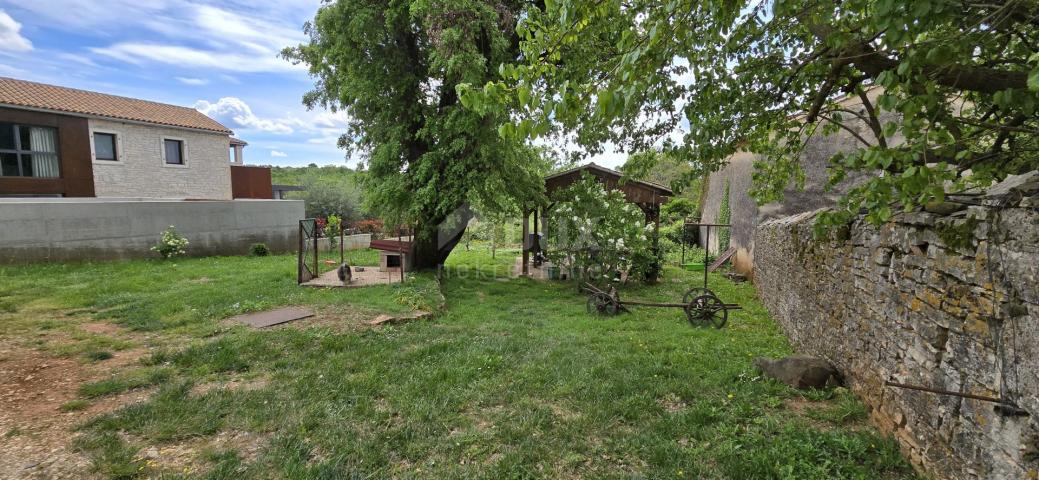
{"points": [[706, 310], [601, 304], [693, 293]]}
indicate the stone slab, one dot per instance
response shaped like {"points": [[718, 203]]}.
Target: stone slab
{"points": [[273, 317]]}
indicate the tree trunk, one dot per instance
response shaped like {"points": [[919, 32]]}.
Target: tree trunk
{"points": [[433, 246]]}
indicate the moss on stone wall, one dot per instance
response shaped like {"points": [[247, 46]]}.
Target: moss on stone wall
{"points": [[958, 234]]}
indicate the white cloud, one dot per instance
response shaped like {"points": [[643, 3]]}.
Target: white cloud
{"points": [[10, 37], [189, 57], [278, 153], [239, 112], [192, 81]]}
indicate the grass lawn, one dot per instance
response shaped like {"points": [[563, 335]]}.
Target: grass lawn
{"points": [[512, 380]]}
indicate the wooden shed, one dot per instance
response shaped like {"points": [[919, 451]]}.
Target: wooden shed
{"points": [[647, 195]]}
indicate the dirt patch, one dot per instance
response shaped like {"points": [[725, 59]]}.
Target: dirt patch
{"points": [[188, 457], [672, 403], [35, 433], [101, 328], [241, 385]]}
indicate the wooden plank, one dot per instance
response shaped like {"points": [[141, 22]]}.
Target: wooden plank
{"points": [[724, 257]]}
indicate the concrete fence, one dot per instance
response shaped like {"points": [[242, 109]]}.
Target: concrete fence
{"points": [[56, 229], [350, 242]]}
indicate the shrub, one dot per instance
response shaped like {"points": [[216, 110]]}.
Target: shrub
{"points": [[595, 230], [171, 244], [259, 250], [332, 226], [371, 226]]}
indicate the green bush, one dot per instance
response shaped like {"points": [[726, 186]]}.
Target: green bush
{"points": [[171, 244], [259, 250]]}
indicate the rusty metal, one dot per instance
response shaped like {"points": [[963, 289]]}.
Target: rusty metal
{"points": [[702, 308], [1004, 407]]}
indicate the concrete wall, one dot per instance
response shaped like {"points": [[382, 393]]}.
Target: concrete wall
{"points": [[947, 301], [350, 242], [80, 229], [141, 171], [745, 212]]}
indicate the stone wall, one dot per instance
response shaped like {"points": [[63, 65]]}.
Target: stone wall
{"points": [[946, 300], [745, 212], [57, 229], [140, 171]]}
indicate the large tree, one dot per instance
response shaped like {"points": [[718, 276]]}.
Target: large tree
{"points": [[393, 66], [958, 84]]}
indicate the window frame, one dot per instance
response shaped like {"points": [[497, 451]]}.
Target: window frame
{"points": [[117, 144], [19, 152], [183, 152]]}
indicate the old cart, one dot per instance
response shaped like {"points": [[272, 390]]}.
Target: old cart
{"points": [[701, 306]]}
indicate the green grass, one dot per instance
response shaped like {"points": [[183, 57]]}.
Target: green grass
{"points": [[513, 380]]}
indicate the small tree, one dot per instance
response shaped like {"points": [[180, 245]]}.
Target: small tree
{"points": [[332, 226], [171, 243], [595, 231]]}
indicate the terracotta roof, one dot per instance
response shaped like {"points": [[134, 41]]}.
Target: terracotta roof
{"points": [[20, 93], [236, 141]]}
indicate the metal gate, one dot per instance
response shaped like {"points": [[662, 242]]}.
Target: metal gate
{"points": [[308, 251]]}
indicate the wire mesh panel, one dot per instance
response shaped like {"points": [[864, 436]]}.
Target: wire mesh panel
{"points": [[307, 260]]}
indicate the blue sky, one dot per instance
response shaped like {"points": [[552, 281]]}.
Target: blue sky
{"points": [[220, 57]]}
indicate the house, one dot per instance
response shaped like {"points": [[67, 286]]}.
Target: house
{"points": [[64, 142]]}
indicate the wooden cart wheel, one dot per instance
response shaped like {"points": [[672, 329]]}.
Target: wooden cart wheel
{"points": [[707, 310], [600, 303], [693, 293]]}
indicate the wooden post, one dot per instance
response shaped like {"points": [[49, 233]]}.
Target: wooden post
{"points": [[526, 253], [317, 268], [341, 257]]}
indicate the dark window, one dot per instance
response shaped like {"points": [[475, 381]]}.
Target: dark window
{"points": [[392, 261], [28, 151], [174, 151], [9, 165], [104, 146], [7, 136]]}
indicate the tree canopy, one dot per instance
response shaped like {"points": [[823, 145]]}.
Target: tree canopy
{"points": [[393, 66], [949, 88]]}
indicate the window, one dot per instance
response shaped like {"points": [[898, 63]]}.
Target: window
{"points": [[105, 146], [173, 151], [28, 151]]}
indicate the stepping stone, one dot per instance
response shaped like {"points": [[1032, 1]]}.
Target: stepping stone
{"points": [[273, 317]]}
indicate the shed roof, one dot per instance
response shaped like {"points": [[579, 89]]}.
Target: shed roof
{"points": [[636, 191], [40, 96]]}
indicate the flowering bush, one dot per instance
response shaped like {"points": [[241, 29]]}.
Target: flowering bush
{"points": [[372, 226], [595, 231], [171, 244]]}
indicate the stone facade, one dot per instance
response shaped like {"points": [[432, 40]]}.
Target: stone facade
{"points": [[745, 212], [140, 171], [945, 300]]}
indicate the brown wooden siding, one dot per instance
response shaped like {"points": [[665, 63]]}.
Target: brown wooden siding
{"points": [[251, 182], [76, 174]]}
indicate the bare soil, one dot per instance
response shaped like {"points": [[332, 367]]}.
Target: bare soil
{"points": [[35, 434]]}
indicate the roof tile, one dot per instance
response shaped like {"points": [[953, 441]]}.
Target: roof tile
{"points": [[21, 93]]}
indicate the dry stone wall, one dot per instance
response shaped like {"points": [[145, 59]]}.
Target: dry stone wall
{"points": [[947, 298]]}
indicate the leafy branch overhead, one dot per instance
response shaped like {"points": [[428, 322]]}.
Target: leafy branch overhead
{"points": [[393, 67], [937, 94]]}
